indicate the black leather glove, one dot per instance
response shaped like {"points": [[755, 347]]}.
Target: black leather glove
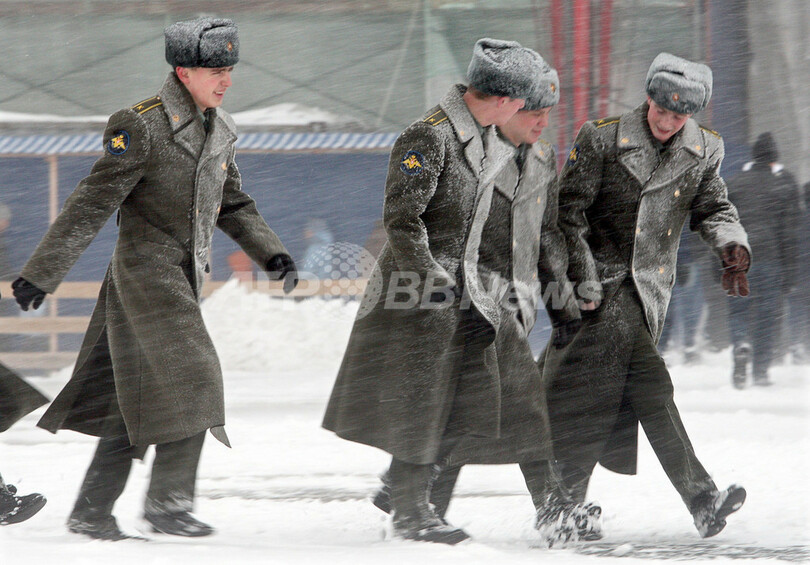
{"points": [[27, 294], [736, 262], [564, 333], [282, 267]]}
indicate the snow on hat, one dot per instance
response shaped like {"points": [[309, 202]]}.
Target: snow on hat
{"points": [[546, 89], [679, 85], [504, 68], [204, 42], [764, 150]]}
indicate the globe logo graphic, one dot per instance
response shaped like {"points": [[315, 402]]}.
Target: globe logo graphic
{"points": [[343, 269]]}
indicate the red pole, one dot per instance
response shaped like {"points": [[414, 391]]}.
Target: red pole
{"points": [[606, 17], [582, 60], [558, 55]]}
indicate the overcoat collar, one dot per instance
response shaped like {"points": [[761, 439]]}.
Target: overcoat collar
{"points": [[640, 157], [511, 178], [183, 119], [466, 130]]}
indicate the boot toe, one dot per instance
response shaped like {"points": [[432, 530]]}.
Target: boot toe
{"points": [[178, 524]]}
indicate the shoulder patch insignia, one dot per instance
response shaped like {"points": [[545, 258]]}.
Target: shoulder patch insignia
{"points": [[412, 163], [711, 131], [119, 143], [436, 116], [146, 105], [573, 155], [606, 121]]}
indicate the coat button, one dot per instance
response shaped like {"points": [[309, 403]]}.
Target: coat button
{"points": [[514, 244], [638, 231], [538, 200], [697, 147], [224, 166], [198, 212], [669, 231], [534, 276], [677, 193], [625, 141], [176, 118], [661, 270]]}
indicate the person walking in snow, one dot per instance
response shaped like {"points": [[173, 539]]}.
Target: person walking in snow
{"points": [[420, 370], [627, 187], [767, 197], [17, 399], [147, 373], [521, 246]]}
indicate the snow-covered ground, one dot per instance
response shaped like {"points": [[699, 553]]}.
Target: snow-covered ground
{"points": [[290, 492]]}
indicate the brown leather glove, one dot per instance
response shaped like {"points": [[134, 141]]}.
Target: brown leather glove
{"points": [[736, 262]]}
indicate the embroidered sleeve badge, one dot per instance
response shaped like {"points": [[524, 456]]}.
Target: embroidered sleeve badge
{"points": [[573, 155], [119, 143], [411, 164]]}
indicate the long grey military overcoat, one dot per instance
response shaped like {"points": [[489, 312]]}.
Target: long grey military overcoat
{"points": [[521, 245], [17, 398], [147, 347], [396, 381], [622, 208]]}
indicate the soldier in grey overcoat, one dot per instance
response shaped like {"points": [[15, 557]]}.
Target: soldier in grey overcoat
{"points": [[147, 372], [521, 246], [425, 312], [17, 399], [625, 193]]}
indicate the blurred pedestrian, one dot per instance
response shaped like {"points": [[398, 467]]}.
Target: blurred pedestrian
{"points": [[625, 193], [767, 197], [686, 305], [147, 373], [318, 256], [799, 299], [419, 371]]}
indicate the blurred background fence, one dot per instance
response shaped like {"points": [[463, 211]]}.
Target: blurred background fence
{"points": [[323, 88]]}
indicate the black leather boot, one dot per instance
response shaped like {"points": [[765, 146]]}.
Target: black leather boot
{"points": [[443, 481], [711, 508], [413, 517], [15, 509]]}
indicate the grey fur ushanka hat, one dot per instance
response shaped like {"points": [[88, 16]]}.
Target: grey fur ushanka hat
{"points": [[546, 89], [504, 68], [679, 85], [204, 42]]}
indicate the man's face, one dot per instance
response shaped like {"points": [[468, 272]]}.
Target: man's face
{"points": [[664, 123], [506, 108], [526, 126], [207, 86]]}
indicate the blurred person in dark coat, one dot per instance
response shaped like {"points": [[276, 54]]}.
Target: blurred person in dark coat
{"points": [[767, 197], [425, 312], [148, 373], [686, 304], [799, 298], [626, 190]]}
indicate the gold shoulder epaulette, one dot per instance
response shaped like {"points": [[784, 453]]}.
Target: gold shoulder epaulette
{"points": [[711, 131], [148, 104], [606, 121], [436, 116]]}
